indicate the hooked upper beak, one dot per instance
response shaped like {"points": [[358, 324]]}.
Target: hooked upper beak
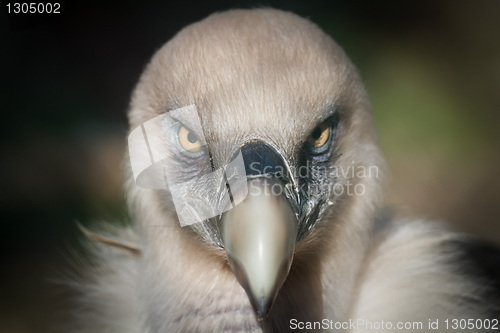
{"points": [[259, 234]]}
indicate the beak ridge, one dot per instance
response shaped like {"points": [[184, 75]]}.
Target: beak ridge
{"points": [[259, 237]]}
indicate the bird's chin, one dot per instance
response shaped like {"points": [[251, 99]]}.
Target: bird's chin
{"points": [[230, 318]]}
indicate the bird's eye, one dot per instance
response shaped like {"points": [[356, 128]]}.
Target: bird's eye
{"points": [[188, 141], [320, 138]]}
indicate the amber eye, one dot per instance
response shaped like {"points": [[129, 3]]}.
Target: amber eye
{"points": [[319, 139], [188, 140]]}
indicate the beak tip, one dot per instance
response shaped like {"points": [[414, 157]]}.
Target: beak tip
{"points": [[262, 308], [259, 238]]}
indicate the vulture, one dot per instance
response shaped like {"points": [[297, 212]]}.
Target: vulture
{"points": [[254, 186]]}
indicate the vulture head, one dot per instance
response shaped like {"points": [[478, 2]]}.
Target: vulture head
{"points": [[254, 189], [254, 174]]}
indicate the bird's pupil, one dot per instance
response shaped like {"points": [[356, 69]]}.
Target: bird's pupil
{"points": [[316, 133], [192, 137]]}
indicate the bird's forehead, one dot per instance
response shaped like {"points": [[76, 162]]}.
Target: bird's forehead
{"points": [[250, 74], [283, 123]]}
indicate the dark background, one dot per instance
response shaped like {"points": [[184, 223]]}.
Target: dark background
{"points": [[432, 69]]}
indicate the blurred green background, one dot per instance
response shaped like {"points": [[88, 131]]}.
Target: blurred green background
{"points": [[432, 70]]}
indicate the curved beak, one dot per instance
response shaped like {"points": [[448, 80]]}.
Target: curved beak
{"points": [[259, 236]]}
